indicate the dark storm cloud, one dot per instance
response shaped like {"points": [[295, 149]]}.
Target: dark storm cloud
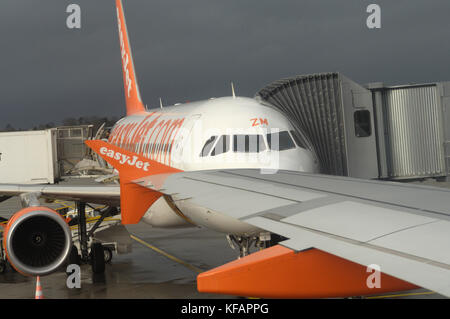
{"points": [[190, 50]]}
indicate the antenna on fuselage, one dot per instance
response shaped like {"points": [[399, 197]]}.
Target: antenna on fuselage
{"points": [[160, 103], [232, 90]]}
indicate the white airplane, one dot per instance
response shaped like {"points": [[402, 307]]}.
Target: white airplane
{"points": [[227, 132], [205, 163]]}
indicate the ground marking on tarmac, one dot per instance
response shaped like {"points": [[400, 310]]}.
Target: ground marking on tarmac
{"points": [[403, 295], [66, 204], [173, 258]]}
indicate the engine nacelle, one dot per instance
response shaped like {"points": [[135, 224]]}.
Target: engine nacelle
{"points": [[37, 240]]}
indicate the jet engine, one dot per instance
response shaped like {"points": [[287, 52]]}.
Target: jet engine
{"points": [[37, 240]]}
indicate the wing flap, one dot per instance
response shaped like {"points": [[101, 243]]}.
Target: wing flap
{"points": [[353, 218]]}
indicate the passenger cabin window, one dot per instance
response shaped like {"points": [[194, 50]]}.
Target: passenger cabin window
{"points": [[208, 145], [285, 141], [222, 146], [298, 140], [248, 143], [362, 123]]}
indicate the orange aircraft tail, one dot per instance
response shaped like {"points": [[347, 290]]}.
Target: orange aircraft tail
{"points": [[132, 94], [134, 199]]}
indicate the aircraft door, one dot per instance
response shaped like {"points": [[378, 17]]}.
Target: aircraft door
{"points": [[181, 141]]}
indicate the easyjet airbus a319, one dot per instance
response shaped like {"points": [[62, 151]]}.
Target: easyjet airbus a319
{"points": [[238, 166]]}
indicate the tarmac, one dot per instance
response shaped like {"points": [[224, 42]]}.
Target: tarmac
{"points": [[163, 263], [142, 274]]}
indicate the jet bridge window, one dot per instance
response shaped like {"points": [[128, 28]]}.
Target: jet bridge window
{"points": [[248, 143], [208, 145], [280, 141], [362, 123], [222, 146]]}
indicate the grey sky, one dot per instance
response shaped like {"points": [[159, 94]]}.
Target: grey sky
{"points": [[188, 50]]}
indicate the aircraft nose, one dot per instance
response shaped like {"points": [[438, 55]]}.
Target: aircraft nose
{"points": [[298, 160], [308, 165]]}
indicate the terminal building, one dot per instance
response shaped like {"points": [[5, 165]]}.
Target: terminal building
{"points": [[369, 131]]}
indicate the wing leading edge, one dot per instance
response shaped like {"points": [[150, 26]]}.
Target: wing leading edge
{"points": [[99, 194]]}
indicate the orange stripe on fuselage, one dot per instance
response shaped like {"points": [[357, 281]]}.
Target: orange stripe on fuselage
{"points": [[161, 147], [156, 129], [169, 140], [140, 128], [152, 136]]}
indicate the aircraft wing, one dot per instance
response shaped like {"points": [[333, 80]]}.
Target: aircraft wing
{"points": [[403, 228], [101, 194]]}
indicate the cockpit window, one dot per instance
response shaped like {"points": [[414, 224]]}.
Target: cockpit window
{"points": [[222, 146], [208, 145], [280, 141], [298, 140], [248, 143]]}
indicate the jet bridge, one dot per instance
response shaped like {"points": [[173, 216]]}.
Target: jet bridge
{"points": [[371, 131]]}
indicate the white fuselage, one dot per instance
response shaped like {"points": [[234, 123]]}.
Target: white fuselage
{"points": [[220, 133]]}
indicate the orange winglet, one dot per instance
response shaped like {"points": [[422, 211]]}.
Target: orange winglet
{"points": [[279, 272], [130, 165], [134, 199]]}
